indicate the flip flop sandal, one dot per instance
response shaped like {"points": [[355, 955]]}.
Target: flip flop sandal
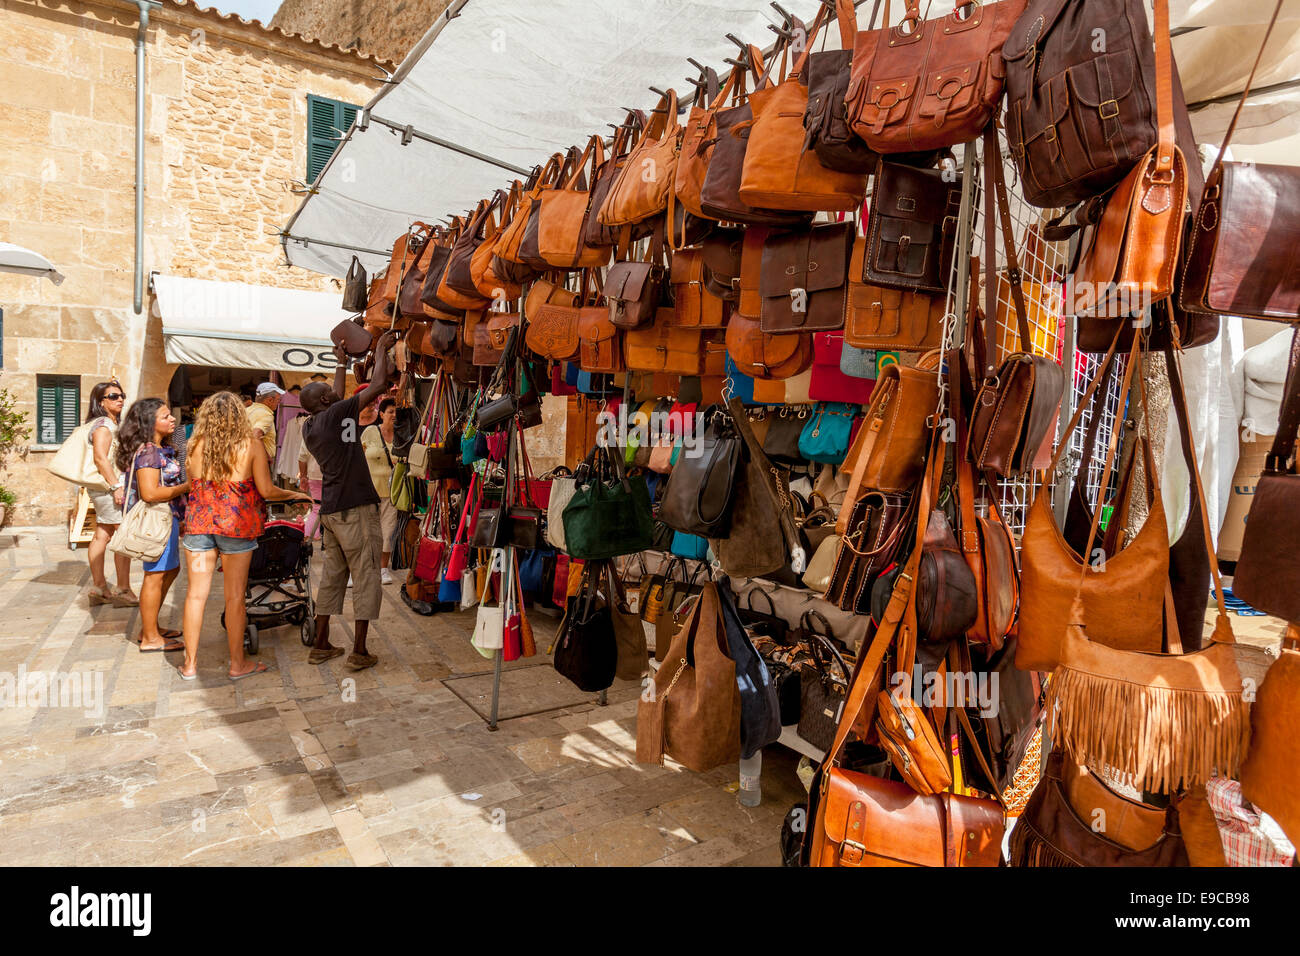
{"points": [[170, 645], [258, 668], [184, 676]]}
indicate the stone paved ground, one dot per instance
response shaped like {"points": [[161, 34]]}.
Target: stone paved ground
{"points": [[281, 769]]}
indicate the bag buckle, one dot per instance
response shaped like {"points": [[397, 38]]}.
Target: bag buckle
{"points": [[1101, 110], [852, 851]]}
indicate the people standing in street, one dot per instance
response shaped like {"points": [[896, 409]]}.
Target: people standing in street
{"points": [[107, 400], [261, 416], [377, 440], [226, 513], [146, 457], [349, 505]]}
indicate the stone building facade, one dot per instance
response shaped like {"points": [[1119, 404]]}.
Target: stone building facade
{"points": [[226, 139], [382, 28]]}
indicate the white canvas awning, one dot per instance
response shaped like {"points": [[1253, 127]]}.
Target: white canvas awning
{"points": [[236, 325], [27, 263], [500, 85]]}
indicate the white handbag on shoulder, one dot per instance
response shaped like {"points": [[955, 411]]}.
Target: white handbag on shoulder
{"points": [[75, 461]]}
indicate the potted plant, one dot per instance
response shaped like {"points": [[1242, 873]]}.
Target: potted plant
{"points": [[14, 431]]}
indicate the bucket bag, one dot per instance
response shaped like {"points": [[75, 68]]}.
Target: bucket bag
{"points": [[355, 287], [146, 528]]}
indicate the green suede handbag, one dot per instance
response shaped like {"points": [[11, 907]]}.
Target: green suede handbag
{"points": [[609, 513]]}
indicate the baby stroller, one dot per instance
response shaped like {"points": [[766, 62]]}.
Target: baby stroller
{"points": [[278, 592]]}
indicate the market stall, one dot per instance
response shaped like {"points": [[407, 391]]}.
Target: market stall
{"points": [[870, 350]]}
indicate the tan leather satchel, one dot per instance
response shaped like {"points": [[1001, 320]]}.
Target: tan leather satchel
{"points": [[487, 280], [763, 356], [552, 314], [780, 172], [644, 187], [694, 306], [693, 713], [510, 246], [563, 214], [600, 341], [1136, 245], [928, 84], [664, 347], [890, 320], [498, 325]]}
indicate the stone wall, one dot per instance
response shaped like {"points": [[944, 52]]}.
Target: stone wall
{"points": [[226, 137], [384, 28]]}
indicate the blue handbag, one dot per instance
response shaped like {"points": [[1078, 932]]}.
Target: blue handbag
{"points": [[593, 383], [691, 546], [742, 385], [826, 436], [571, 372], [449, 591], [859, 363], [532, 569]]}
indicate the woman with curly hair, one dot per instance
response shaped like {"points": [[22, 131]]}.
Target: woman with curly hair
{"points": [[146, 457], [231, 481]]}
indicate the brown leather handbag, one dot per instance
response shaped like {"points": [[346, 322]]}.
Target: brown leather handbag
{"points": [[1242, 257], [927, 84], [912, 228], [552, 314], [888, 453], [779, 171], [700, 134], [693, 713], [434, 262], [876, 525], [634, 289], [606, 174], [644, 186], [804, 278], [510, 247], [763, 356], [890, 320], [663, 347], [694, 305], [1019, 399], [1125, 604], [406, 250], [1270, 777], [499, 325], [563, 214], [482, 264], [486, 355], [1054, 831], [723, 250], [600, 341], [1136, 244], [457, 287]]}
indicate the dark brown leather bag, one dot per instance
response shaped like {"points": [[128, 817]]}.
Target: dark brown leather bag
{"points": [[1051, 832], [1242, 258], [876, 525], [635, 289], [352, 335], [804, 278], [723, 250], [457, 288], [912, 228], [434, 263], [890, 320], [1021, 397], [928, 84], [700, 134]]}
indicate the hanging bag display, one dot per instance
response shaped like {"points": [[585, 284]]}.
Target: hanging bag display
{"points": [[644, 187], [562, 218]]}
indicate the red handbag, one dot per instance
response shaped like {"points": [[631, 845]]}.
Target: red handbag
{"points": [[560, 592], [458, 560], [558, 384], [428, 554], [828, 383]]}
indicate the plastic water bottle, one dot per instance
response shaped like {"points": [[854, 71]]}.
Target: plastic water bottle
{"points": [[751, 771]]}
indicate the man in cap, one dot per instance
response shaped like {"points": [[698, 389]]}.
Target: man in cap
{"points": [[261, 415]]}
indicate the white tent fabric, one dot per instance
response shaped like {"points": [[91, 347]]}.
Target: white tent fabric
{"points": [[236, 325], [27, 263], [518, 81]]}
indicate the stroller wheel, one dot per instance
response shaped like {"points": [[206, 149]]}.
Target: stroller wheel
{"points": [[297, 615], [250, 638], [308, 631]]}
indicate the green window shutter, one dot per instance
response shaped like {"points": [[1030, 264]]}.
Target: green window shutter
{"points": [[327, 120], [58, 407]]}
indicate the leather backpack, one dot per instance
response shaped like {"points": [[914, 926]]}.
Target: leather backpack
{"points": [[930, 84], [694, 304], [779, 172], [912, 229], [644, 186], [804, 278]]}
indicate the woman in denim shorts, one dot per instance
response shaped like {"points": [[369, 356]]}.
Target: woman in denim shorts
{"points": [[230, 481]]}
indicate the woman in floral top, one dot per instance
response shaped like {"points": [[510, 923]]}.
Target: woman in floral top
{"points": [[146, 456]]}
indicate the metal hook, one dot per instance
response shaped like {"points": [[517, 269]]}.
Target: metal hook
{"points": [[784, 32], [655, 89], [785, 14], [700, 67]]}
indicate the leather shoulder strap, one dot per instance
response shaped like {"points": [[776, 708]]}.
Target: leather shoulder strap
{"points": [[1232, 126]]}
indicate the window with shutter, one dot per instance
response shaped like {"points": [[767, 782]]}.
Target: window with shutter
{"points": [[58, 407], [327, 121]]}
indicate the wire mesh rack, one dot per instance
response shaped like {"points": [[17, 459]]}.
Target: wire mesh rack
{"points": [[1043, 265]]}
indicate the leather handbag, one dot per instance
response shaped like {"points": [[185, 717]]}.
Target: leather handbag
{"points": [[781, 443], [604, 177], [1241, 256], [826, 120], [1077, 121], [552, 314], [563, 214], [760, 708], [146, 527], [607, 518], [644, 187], [457, 287], [762, 537], [823, 689], [434, 261], [694, 304], [700, 132], [633, 659], [888, 453], [355, 287], [723, 252], [600, 342], [663, 347], [693, 712], [875, 531], [508, 254], [500, 324], [1269, 775], [1020, 398], [927, 84], [894, 320], [1266, 575], [761, 355], [1052, 832], [635, 289], [75, 460], [493, 283], [946, 603], [700, 488], [828, 382], [479, 334], [779, 171], [586, 648], [912, 228], [1135, 246], [804, 276]]}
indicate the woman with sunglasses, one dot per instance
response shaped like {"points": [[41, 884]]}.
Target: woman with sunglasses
{"points": [[106, 402]]}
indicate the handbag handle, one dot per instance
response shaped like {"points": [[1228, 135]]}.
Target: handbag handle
{"points": [[818, 646]]}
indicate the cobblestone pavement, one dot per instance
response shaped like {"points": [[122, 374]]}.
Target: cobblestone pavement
{"points": [[298, 766]]}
